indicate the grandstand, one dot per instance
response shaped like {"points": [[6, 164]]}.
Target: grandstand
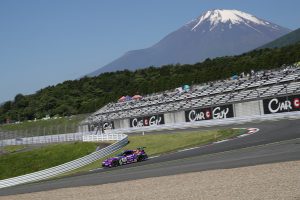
{"points": [[258, 85]]}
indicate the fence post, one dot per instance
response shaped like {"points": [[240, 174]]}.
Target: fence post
{"points": [[1, 137], [31, 139]]}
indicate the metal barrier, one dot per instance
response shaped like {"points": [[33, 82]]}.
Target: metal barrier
{"points": [[101, 137], [75, 164]]}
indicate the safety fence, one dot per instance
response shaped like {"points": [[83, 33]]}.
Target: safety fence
{"points": [[44, 139], [49, 134], [75, 164], [10, 131]]}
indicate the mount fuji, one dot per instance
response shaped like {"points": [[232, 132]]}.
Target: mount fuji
{"points": [[213, 34]]}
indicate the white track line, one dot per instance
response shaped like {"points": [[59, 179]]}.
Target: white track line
{"points": [[95, 169], [188, 149], [221, 141], [154, 157]]}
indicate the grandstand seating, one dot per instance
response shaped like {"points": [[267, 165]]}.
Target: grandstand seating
{"points": [[260, 85]]}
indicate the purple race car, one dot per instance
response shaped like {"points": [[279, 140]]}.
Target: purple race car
{"points": [[126, 157]]}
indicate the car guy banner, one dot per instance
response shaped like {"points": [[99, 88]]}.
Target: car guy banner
{"points": [[152, 120], [217, 112], [281, 104]]}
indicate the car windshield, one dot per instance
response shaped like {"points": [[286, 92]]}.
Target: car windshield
{"points": [[120, 154], [124, 153]]}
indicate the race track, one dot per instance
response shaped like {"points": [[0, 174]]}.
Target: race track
{"points": [[277, 141]]}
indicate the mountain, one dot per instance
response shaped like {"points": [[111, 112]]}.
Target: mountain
{"points": [[288, 39], [215, 33]]}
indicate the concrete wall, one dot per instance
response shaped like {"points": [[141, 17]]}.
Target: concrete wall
{"points": [[169, 118], [248, 108], [179, 116], [174, 117], [121, 123]]}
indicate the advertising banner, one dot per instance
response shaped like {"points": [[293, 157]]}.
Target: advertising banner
{"points": [[217, 112], [281, 104], [152, 120], [222, 112], [198, 114]]}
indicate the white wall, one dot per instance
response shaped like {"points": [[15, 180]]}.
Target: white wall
{"points": [[179, 116], [248, 108], [121, 123], [169, 118]]}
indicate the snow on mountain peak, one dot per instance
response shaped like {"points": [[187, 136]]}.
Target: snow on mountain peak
{"points": [[227, 16]]}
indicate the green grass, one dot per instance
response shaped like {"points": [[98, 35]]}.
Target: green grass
{"points": [[164, 143], [41, 127], [16, 164]]}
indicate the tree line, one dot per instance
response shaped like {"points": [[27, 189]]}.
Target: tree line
{"points": [[88, 94]]}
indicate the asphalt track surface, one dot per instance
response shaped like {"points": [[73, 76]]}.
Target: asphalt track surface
{"points": [[277, 141]]}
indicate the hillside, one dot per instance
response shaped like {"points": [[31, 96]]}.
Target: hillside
{"points": [[88, 94], [288, 39]]}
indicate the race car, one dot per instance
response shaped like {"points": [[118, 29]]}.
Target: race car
{"points": [[126, 157]]}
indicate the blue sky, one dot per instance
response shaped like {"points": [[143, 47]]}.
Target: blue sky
{"points": [[45, 42]]}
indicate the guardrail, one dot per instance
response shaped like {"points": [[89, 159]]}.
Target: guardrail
{"points": [[101, 137], [75, 164]]}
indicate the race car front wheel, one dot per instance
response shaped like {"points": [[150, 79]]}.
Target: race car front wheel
{"points": [[115, 163], [140, 158]]}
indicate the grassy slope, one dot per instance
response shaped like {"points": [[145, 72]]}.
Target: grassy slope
{"points": [[163, 143], [16, 164]]}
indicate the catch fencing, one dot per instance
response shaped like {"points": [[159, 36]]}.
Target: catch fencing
{"points": [[42, 135], [75, 164], [45, 139]]}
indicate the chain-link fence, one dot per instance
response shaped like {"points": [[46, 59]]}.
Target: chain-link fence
{"points": [[51, 134]]}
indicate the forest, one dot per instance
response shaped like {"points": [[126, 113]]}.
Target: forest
{"points": [[88, 94]]}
